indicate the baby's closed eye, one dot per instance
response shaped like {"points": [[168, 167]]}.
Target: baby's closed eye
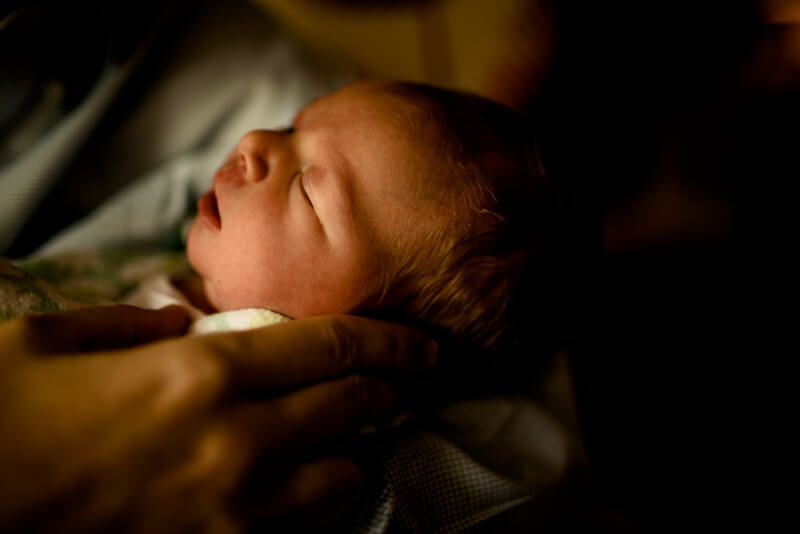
{"points": [[299, 175]]}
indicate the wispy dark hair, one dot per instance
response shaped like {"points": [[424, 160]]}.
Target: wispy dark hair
{"points": [[485, 284]]}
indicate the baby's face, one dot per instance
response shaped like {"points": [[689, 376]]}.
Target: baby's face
{"points": [[309, 220]]}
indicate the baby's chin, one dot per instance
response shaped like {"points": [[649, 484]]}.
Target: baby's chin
{"points": [[221, 300], [212, 297]]}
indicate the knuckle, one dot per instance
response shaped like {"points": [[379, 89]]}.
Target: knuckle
{"points": [[221, 456], [30, 332], [396, 348], [343, 347], [209, 372], [367, 395], [200, 375]]}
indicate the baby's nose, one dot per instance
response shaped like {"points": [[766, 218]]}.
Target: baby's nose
{"points": [[254, 149]]}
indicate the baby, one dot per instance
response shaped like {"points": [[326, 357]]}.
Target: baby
{"points": [[400, 202], [391, 200]]}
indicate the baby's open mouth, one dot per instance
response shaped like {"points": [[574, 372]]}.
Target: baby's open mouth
{"points": [[208, 211]]}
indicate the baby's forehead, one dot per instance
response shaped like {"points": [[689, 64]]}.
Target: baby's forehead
{"points": [[380, 101], [393, 128], [373, 117]]}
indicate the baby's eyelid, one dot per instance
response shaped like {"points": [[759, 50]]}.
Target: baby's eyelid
{"points": [[300, 174]]}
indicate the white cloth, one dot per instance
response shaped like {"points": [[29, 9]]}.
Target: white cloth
{"points": [[157, 291]]}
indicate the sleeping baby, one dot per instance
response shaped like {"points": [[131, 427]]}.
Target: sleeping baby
{"points": [[391, 200], [395, 201]]}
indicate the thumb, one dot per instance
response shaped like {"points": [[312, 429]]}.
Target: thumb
{"points": [[106, 327]]}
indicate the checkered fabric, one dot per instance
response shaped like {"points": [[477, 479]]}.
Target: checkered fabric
{"points": [[446, 476], [431, 485]]}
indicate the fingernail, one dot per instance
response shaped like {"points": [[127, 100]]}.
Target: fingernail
{"points": [[431, 352]]}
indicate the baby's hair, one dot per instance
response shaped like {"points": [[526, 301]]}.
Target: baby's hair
{"points": [[484, 284]]}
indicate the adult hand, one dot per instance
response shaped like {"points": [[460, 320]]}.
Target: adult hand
{"points": [[167, 436]]}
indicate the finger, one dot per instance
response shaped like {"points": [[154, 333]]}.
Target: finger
{"points": [[105, 327], [300, 421], [316, 494], [298, 352]]}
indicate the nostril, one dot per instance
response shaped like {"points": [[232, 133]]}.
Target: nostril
{"points": [[252, 167], [253, 153]]}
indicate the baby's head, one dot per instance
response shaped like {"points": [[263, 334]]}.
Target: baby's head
{"points": [[385, 199]]}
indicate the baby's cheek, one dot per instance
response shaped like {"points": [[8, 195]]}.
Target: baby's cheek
{"points": [[340, 289], [194, 249]]}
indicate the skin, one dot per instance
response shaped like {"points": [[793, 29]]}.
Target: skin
{"points": [[313, 219], [110, 423]]}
